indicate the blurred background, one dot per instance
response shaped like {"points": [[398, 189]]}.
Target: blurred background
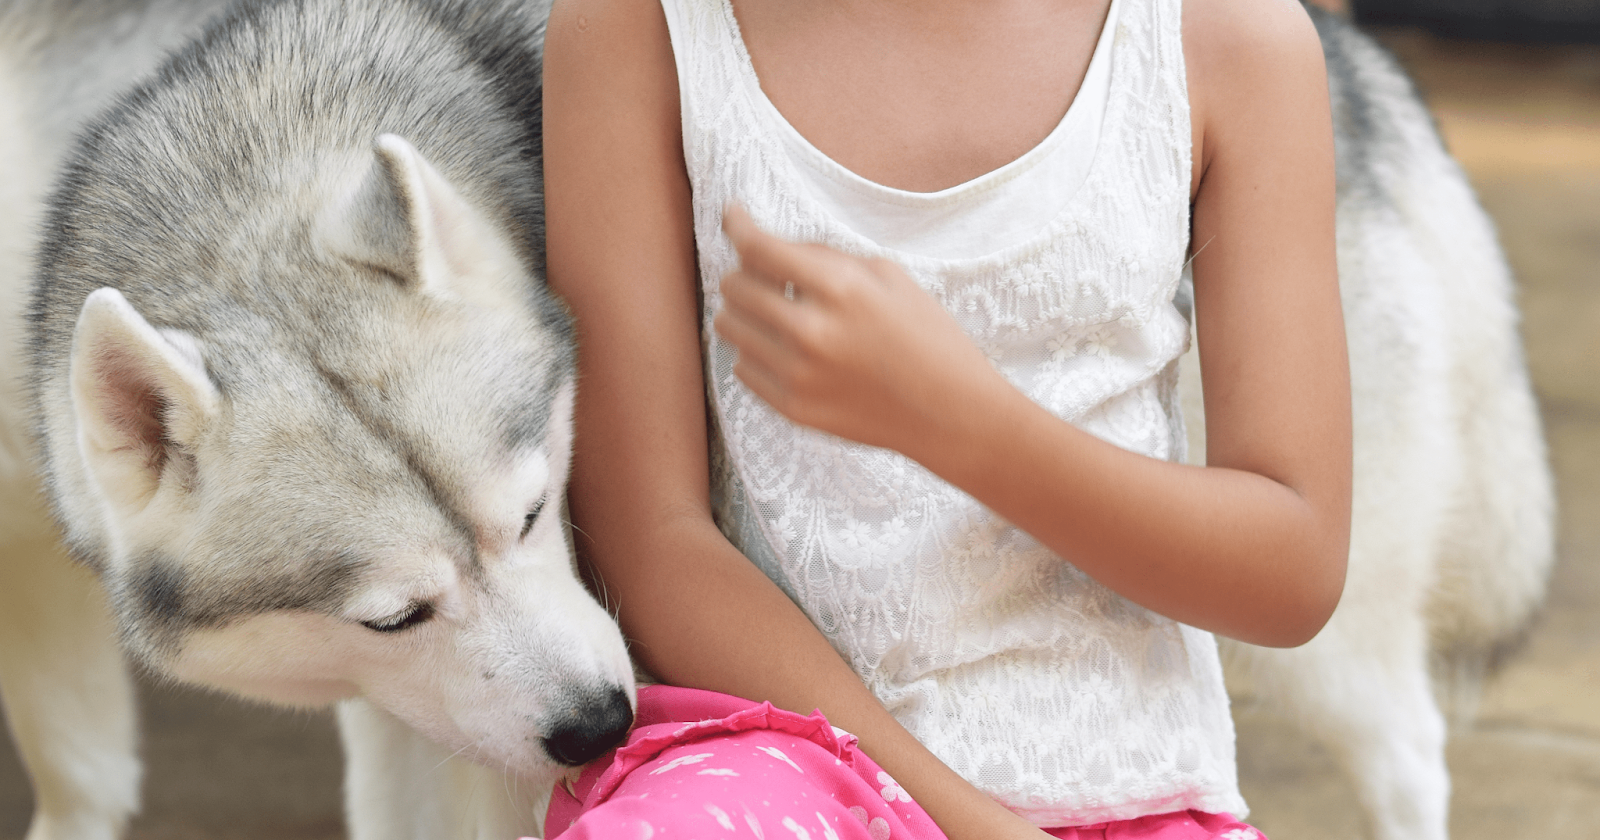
{"points": [[1515, 85], [1550, 21]]}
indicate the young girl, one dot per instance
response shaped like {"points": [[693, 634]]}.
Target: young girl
{"points": [[877, 413]]}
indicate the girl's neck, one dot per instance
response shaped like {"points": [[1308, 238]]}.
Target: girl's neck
{"points": [[921, 94]]}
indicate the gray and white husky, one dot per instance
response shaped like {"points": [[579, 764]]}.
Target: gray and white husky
{"points": [[302, 400], [304, 410]]}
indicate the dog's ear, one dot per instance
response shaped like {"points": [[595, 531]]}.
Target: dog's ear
{"points": [[407, 220], [141, 396]]}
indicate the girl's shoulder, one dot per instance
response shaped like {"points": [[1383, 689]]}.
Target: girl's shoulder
{"points": [[1250, 63], [610, 86], [603, 42], [1237, 34]]}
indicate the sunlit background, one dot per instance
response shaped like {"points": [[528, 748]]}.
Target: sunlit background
{"points": [[1516, 88]]}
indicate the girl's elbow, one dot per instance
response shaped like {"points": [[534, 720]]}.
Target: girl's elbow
{"points": [[1312, 604]]}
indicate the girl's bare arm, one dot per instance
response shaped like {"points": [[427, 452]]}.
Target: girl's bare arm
{"points": [[1252, 546], [621, 252]]}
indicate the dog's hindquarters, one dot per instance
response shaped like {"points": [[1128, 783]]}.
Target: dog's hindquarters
{"points": [[1498, 544], [1451, 521], [1496, 547]]}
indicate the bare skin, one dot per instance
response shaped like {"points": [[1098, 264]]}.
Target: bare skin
{"points": [[1252, 546], [851, 76]]}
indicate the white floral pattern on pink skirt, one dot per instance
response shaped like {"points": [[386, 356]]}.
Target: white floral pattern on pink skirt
{"points": [[699, 764]]}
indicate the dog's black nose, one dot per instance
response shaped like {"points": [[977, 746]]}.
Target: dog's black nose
{"points": [[596, 723]]}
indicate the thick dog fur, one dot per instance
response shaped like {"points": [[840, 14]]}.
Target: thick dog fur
{"points": [[1452, 527], [299, 413], [302, 399]]}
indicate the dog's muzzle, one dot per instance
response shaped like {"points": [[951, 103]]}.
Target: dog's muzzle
{"points": [[594, 724]]}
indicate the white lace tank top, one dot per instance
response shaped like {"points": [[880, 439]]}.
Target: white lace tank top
{"points": [[1060, 698]]}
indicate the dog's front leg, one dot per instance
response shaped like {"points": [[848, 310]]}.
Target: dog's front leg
{"points": [[401, 786]]}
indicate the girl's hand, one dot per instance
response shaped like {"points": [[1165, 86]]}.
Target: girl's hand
{"points": [[843, 344]]}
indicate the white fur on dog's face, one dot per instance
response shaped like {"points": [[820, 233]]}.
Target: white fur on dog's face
{"points": [[368, 505], [485, 673]]}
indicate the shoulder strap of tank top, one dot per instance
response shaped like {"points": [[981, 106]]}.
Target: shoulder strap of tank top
{"points": [[707, 52]]}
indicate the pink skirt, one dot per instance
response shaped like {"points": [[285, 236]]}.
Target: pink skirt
{"points": [[699, 764]]}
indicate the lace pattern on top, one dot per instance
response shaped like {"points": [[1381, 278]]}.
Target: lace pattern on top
{"points": [[1065, 701]]}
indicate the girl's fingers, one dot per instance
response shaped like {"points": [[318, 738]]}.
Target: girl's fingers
{"points": [[758, 347], [759, 365], [773, 261], [753, 299]]}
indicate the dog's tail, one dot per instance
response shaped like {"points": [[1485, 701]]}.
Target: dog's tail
{"points": [[1496, 557], [1498, 546]]}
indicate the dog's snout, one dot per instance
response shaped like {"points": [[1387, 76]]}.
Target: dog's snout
{"points": [[597, 723]]}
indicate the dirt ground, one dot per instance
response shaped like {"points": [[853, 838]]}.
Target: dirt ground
{"points": [[1525, 122]]}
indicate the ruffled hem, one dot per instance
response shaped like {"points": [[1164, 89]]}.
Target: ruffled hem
{"points": [[649, 741]]}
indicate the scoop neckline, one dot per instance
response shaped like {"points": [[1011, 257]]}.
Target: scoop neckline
{"points": [[827, 166]]}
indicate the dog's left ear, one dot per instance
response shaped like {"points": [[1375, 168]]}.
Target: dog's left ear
{"points": [[408, 220]]}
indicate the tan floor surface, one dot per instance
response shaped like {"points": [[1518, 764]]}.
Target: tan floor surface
{"points": [[1526, 123]]}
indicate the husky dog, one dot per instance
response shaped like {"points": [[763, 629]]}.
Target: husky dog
{"points": [[294, 375], [1452, 528], [302, 400]]}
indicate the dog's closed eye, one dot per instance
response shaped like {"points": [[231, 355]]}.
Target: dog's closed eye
{"points": [[527, 521], [409, 617]]}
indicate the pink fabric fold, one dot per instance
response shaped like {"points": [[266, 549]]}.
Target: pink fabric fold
{"points": [[699, 764]]}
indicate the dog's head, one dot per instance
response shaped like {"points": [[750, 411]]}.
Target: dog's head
{"points": [[344, 475]]}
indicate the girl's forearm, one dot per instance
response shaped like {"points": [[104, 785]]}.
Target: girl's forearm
{"points": [[1253, 549], [700, 614], [1227, 550]]}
